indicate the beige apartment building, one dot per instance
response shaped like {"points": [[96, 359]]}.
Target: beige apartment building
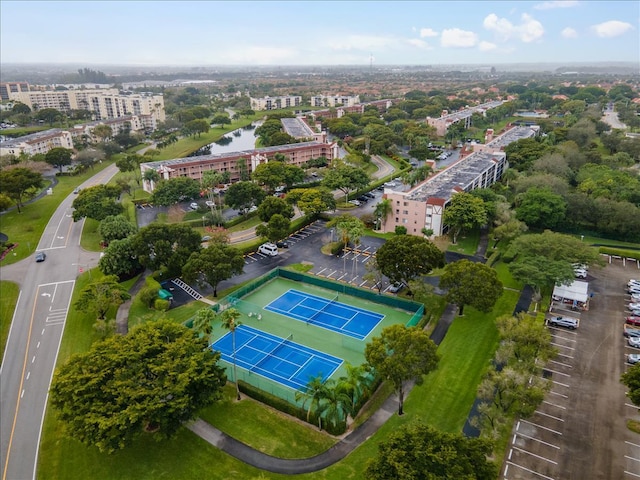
{"points": [[335, 100], [103, 103], [40, 142], [8, 88], [275, 103], [193, 167], [423, 206], [443, 122]]}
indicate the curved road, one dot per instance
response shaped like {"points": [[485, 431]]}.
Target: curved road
{"points": [[35, 335]]}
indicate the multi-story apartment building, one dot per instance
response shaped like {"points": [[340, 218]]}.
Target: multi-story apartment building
{"points": [[7, 88], [40, 142], [339, 112], [103, 103], [275, 103], [335, 100], [130, 123], [299, 129], [193, 167], [443, 122], [423, 206]]}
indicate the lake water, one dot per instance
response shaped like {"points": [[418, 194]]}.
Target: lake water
{"points": [[236, 141]]}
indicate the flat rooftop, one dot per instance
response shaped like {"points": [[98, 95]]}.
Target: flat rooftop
{"points": [[296, 127]]}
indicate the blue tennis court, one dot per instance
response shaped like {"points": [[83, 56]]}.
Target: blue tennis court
{"points": [[326, 313], [276, 358]]}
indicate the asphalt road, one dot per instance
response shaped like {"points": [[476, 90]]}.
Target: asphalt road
{"points": [[35, 335]]}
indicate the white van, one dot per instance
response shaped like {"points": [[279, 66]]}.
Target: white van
{"points": [[268, 249]]}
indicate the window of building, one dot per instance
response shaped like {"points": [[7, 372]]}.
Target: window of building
{"points": [[405, 212]]}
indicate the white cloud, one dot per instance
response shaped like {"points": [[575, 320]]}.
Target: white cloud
{"points": [[556, 4], [416, 42], [360, 42], [455, 37], [612, 28], [487, 46], [569, 33], [528, 31], [428, 32]]}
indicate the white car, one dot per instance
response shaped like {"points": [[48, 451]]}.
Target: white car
{"points": [[634, 342], [268, 249], [194, 205], [580, 273], [355, 202], [634, 306], [633, 358]]}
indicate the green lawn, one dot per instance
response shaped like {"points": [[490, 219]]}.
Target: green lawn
{"points": [[467, 244], [9, 293], [90, 239]]}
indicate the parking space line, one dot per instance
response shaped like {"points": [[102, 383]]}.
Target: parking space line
{"points": [[362, 283], [554, 405], [329, 276], [344, 275], [366, 259], [530, 471], [549, 416], [537, 440], [563, 346], [559, 383], [321, 271], [560, 363], [558, 394], [557, 373], [565, 355], [540, 426], [631, 458], [566, 339], [632, 444], [534, 455], [632, 474], [630, 405]]}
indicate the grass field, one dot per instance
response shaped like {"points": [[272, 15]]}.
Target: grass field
{"points": [[9, 293]]}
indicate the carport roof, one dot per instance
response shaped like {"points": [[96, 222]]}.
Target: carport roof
{"points": [[578, 291]]}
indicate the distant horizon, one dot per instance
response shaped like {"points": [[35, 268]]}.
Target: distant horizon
{"points": [[307, 33]]}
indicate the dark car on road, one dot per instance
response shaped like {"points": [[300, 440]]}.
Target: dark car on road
{"points": [[40, 256]]}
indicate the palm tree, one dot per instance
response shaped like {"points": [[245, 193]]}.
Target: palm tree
{"points": [[202, 323], [230, 321], [314, 392], [383, 209], [355, 383], [150, 175], [336, 405]]}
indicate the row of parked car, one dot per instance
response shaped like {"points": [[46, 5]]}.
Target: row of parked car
{"points": [[631, 328]]}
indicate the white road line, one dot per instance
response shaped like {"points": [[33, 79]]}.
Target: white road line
{"points": [[557, 373], [534, 455], [632, 444], [33, 359], [530, 471], [632, 474], [560, 363], [344, 275], [22, 394], [630, 405], [563, 346], [331, 273], [366, 259], [561, 384], [28, 374], [565, 355], [362, 283], [510, 453], [631, 458], [558, 394], [321, 271], [554, 405], [566, 339], [38, 345], [549, 416], [540, 426], [537, 440]]}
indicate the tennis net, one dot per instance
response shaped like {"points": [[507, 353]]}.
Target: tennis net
{"points": [[271, 352], [330, 302]]}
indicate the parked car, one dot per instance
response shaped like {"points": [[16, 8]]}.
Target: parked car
{"points": [[633, 358], [194, 205], [282, 244], [369, 195], [633, 306], [396, 287], [363, 199], [580, 273], [567, 322], [40, 256], [634, 342], [355, 202], [635, 297], [628, 331], [635, 313], [632, 320], [268, 249]]}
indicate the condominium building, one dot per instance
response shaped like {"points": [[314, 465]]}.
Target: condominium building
{"points": [[193, 167], [103, 103], [423, 206], [335, 100], [443, 122], [7, 88], [339, 112], [275, 103], [130, 123], [40, 142], [299, 129]]}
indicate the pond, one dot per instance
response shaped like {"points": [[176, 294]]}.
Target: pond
{"points": [[236, 141]]}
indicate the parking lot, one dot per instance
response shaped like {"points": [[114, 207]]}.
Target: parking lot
{"points": [[579, 431], [291, 240]]}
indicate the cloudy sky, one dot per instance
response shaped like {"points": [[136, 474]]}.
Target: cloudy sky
{"points": [[318, 32]]}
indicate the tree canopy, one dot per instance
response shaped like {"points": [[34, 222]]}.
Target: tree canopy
{"points": [[275, 173], [174, 190], [101, 295], [241, 195], [97, 202], [405, 257], [165, 245], [276, 228], [115, 227], [18, 183], [150, 380], [215, 263], [345, 178], [273, 205], [541, 208], [58, 157], [464, 213], [418, 451], [471, 283], [401, 354], [120, 259]]}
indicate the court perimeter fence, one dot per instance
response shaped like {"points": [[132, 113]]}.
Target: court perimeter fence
{"points": [[339, 287]]}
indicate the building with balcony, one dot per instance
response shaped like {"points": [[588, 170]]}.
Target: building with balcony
{"points": [[335, 100], [8, 88], [300, 130], [423, 206], [275, 103], [40, 142], [235, 162]]}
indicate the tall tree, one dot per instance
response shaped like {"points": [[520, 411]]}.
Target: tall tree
{"points": [[382, 210], [345, 178], [120, 259], [103, 132], [166, 245], [100, 296], [276, 228], [115, 227], [49, 115], [242, 195], [230, 321], [215, 263], [273, 205], [405, 257], [464, 213], [471, 283], [401, 354], [541, 208], [314, 393], [174, 190], [18, 183], [58, 157], [97, 202], [150, 380], [335, 405], [418, 451], [202, 322]]}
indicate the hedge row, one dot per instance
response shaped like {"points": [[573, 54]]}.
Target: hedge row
{"points": [[620, 252]]}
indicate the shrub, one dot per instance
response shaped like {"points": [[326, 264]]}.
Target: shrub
{"points": [[161, 304], [147, 295], [337, 247]]}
